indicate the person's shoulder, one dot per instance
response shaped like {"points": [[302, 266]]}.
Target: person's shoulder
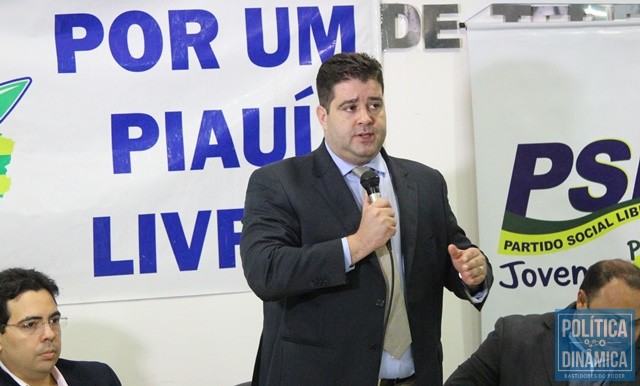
{"points": [[413, 167], [82, 366], [295, 169], [517, 321], [287, 163], [520, 318]]}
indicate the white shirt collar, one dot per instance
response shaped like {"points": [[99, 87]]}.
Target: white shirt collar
{"points": [[377, 163], [55, 372], [58, 377]]}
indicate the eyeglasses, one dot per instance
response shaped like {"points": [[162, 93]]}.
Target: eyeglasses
{"points": [[33, 326]]}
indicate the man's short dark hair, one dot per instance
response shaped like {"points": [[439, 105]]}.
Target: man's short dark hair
{"points": [[603, 272], [345, 66], [15, 281]]}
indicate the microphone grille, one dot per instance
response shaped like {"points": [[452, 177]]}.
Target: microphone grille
{"points": [[369, 179]]}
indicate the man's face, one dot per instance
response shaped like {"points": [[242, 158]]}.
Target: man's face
{"points": [[614, 295], [30, 356], [355, 125]]}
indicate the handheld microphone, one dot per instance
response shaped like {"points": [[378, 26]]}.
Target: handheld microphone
{"points": [[370, 181]]}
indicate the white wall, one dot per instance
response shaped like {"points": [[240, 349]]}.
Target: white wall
{"points": [[197, 341], [212, 340]]}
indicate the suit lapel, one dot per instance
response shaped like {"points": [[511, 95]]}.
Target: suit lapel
{"points": [[67, 370], [331, 185], [6, 380], [406, 192], [71, 380]]}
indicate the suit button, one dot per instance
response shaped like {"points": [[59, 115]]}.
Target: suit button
{"points": [[380, 303], [312, 283], [374, 347]]}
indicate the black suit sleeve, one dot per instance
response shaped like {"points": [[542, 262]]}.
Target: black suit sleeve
{"points": [[277, 261], [456, 235]]}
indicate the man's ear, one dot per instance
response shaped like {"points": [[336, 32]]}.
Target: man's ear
{"points": [[322, 113], [582, 301]]}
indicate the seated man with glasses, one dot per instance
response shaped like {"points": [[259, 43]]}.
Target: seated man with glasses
{"points": [[30, 336]]}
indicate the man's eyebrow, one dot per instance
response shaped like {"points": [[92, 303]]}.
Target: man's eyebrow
{"points": [[30, 318], [348, 102], [56, 313], [33, 317], [351, 101]]}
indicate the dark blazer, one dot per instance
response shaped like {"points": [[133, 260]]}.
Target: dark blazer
{"points": [[77, 373], [323, 326], [519, 351]]}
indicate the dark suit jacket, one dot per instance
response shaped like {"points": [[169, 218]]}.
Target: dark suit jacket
{"points": [[77, 373], [519, 351], [323, 326]]}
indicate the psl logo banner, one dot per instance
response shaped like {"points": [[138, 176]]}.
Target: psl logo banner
{"points": [[522, 235], [554, 98]]}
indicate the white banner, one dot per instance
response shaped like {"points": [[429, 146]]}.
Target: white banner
{"points": [[129, 130], [554, 96]]}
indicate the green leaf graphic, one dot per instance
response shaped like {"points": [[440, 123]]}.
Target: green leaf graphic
{"points": [[10, 94]]}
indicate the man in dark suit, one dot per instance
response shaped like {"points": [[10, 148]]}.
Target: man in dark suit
{"points": [[520, 350], [30, 336], [309, 244]]}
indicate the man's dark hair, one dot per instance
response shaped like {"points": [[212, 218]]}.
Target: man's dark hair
{"points": [[14, 281], [603, 272], [345, 66]]}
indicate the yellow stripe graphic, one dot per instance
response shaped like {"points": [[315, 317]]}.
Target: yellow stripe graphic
{"points": [[5, 182], [6, 145], [519, 244]]}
